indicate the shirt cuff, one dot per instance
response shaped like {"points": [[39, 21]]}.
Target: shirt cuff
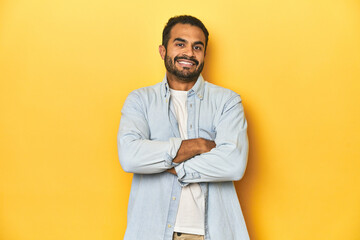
{"points": [[183, 175], [174, 145]]}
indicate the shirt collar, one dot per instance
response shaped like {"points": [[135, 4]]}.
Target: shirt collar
{"points": [[198, 87]]}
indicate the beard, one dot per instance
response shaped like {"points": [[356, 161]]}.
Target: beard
{"points": [[183, 74]]}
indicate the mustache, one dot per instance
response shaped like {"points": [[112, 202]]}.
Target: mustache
{"points": [[187, 58]]}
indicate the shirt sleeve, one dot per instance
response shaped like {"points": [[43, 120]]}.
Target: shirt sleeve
{"points": [[137, 153], [228, 160]]}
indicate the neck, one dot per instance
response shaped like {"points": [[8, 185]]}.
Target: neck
{"points": [[180, 84]]}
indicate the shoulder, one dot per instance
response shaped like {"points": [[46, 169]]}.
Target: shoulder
{"points": [[219, 93], [144, 96], [146, 93]]}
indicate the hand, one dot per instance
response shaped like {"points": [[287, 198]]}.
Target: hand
{"points": [[172, 171], [192, 147], [205, 145]]}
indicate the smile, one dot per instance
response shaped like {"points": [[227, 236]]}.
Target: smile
{"points": [[186, 63]]}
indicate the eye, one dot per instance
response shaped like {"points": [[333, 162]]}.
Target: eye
{"points": [[180, 44], [197, 47]]}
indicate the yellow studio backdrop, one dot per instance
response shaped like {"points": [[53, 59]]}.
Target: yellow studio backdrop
{"points": [[66, 68]]}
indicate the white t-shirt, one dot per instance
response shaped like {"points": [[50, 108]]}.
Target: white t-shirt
{"points": [[191, 211]]}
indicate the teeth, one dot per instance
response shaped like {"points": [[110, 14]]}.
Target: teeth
{"points": [[186, 63]]}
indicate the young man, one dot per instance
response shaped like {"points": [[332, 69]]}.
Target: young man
{"points": [[185, 141]]}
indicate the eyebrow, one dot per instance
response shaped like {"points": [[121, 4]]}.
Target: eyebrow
{"points": [[180, 40], [195, 43], [200, 43]]}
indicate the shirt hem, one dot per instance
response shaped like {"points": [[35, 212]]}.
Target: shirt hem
{"points": [[190, 231]]}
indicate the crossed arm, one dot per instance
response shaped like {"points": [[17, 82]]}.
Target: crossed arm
{"points": [[194, 160], [190, 148]]}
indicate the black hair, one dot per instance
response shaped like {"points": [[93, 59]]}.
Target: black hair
{"points": [[184, 19]]}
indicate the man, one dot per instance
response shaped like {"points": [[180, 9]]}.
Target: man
{"points": [[185, 141]]}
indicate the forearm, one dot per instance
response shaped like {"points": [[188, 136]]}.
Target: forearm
{"points": [[192, 147], [146, 156], [226, 162]]}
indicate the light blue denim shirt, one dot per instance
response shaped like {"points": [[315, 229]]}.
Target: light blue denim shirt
{"points": [[148, 140]]}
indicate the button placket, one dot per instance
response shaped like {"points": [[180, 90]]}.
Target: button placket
{"points": [[191, 116]]}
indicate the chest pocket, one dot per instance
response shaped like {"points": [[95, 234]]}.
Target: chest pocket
{"points": [[206, 124]]}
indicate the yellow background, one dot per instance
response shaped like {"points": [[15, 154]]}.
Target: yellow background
{"points": [[66, 68]]}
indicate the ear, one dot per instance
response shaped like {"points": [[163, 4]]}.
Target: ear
{"points": [[162, 51]]}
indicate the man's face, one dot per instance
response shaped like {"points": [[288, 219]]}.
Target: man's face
{"points": [[185, 53]]}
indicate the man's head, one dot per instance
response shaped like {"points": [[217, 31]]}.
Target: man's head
{"points": [[183, 48], [183, 19]]}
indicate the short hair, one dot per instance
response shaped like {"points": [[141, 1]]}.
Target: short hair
{"points": [[184, 19]]}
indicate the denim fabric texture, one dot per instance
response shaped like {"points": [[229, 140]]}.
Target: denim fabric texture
{"points": [[148, 141]]}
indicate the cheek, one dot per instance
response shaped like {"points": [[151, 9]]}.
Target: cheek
{"points": [[200, 57], [172, 55]]}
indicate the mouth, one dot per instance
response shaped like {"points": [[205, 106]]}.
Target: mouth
{"points": [[186, 62]]}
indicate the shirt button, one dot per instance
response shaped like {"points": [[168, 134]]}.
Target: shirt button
{"points": [[190, 105], [173, 198], [190, 126], [169, 226]]}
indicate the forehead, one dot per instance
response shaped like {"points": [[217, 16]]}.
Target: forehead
{"points": [[187, 32]]}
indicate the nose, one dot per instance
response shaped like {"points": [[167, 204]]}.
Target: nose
{"points": [[189, 51]]}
